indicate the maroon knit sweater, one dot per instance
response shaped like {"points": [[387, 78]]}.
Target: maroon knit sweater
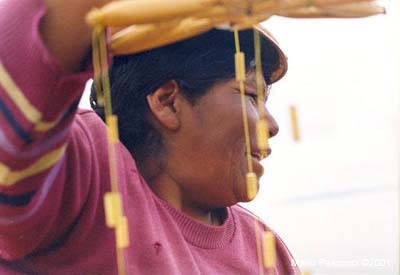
{"points": [[54, 173]]}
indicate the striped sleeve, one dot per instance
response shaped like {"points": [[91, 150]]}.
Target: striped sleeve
{"points": [[37, 106]]}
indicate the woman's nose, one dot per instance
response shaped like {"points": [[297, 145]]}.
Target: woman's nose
{"points": [[273, 127]]}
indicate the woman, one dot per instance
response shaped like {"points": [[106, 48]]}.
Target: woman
{"points": [[181, 161]]}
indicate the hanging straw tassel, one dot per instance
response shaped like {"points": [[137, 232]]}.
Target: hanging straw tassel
{"points": [[262, 124], [122, 233], [294, 122], [112, 200], [251, 185], [269, 252], [240, 71]]}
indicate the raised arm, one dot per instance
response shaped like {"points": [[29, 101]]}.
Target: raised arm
{"points": [[42, 189], [65, 32]]}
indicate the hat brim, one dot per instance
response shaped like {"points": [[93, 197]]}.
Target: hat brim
{"points": [[265, 34], [283, 64]]}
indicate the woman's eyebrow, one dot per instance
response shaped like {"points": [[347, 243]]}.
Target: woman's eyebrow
{"points": [[252, 83]]}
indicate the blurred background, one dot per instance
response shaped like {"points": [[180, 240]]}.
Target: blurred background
{"points": [[333, 196]]}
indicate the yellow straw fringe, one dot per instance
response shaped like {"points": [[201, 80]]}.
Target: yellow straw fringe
{"points": [[294, 122], [112, 200], [269, 250]]}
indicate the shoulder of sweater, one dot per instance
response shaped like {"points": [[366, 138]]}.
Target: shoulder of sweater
{"points": [[246, 215], [88, 123], [88, 128], [88, 119], [243, 212], [89, 115]]}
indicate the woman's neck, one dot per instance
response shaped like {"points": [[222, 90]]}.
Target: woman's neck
{"points": [[169, 191]]}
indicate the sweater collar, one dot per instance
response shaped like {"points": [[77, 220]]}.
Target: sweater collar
{"points": [[200, 234]]}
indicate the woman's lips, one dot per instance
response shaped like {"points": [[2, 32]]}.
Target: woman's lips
{"points": [[261, 155], [257, 156]]}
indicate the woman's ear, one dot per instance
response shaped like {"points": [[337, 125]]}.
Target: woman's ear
{"points": [[164, 105]]}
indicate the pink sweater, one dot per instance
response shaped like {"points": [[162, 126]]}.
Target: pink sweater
{"points": [[54, 172]]}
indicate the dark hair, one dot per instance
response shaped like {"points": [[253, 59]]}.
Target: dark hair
{"points": [[196, 64]]}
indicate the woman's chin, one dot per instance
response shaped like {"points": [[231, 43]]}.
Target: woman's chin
{"points": [[249, 194], [258, 168]]}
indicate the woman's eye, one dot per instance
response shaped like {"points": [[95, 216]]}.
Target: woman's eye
{"points": [[253, 97]]}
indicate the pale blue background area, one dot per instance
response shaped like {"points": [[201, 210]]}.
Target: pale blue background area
{"points": [[333, 196]]}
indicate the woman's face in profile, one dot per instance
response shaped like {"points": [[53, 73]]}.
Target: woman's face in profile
{"points": [[211, 160]]}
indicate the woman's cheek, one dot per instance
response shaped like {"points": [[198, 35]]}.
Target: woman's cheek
{"points": [[238, 179]]}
